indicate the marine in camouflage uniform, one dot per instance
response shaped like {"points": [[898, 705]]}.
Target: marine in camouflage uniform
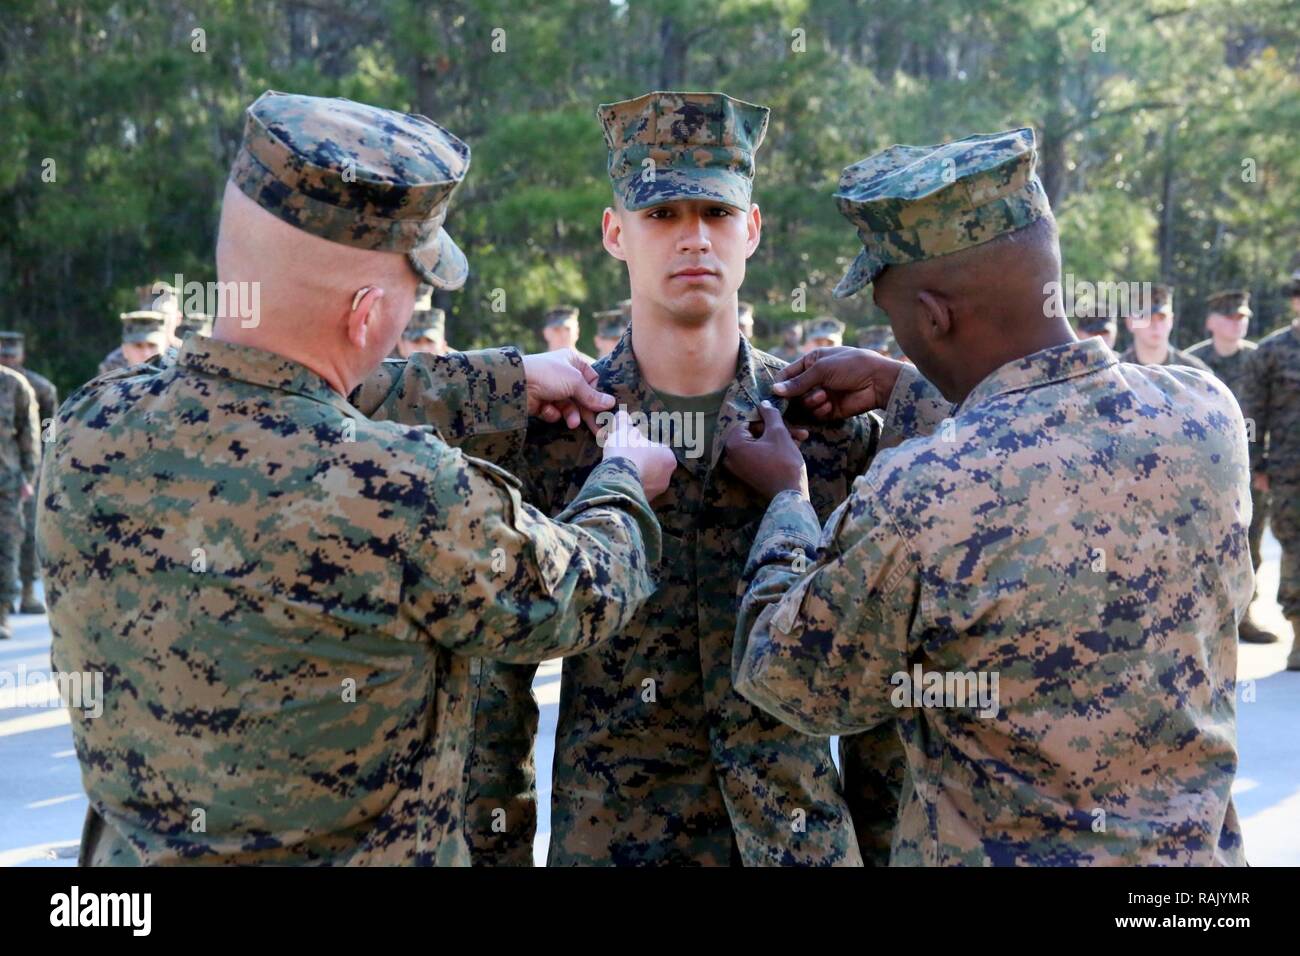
{"points": [[1231, 368], [791, 346], [47, 403], [610, 324], [157, 299], [1271, 399], [879, 338], [284, 597], [825, 332], [19, 457], [1162, 304], [972, 548], [657, 760], [426, 330]]}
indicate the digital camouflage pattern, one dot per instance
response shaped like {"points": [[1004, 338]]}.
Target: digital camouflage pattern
{"points": [[19, 457], [144, 325], [284, 598], [668, 146], [917, 202], [1078, 528], [1271, 399], [1172, 357], [356, 174], [1231, 370], [695, 775], [47, 404]]}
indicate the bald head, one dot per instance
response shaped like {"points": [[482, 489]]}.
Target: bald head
{"points": [[309, 307], [962, 315]]}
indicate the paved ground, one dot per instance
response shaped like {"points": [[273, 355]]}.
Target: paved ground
{"points": [[42, 805]]}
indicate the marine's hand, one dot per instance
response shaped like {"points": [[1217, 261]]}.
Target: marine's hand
{"points": [[769, 463], [654, 462], [839, 382], [562, 384]]}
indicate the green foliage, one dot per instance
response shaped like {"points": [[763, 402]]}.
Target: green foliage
{"points": [[1169, 153]]}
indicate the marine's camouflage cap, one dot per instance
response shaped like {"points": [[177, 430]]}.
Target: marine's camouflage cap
{"points": [[1097, 323], [356, 174], [911, 203], [157, 296], [700, 146], [194, 323], [426, 324], [1230, 302], [877, 337], [610, 324], [143, 325], [11, 344], [825, 329], [1162, 299], [559, 314]]}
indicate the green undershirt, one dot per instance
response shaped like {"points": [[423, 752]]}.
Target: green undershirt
{"points": [[706, 406]]}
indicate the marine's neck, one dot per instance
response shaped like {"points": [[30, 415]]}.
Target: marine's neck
{"points": [[683, 359], [1226, 347]]}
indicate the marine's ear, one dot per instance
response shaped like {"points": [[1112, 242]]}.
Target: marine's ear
{"points": [[364, 313]]}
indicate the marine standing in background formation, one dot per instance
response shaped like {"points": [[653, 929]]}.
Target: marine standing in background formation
{"points": [[426, 331], [285, 614], [1086, 665], [610, 326], [194, 323], [824, 333], [560, 329], [879, 338], [1271, 399], [1151, 328], [657, 760], [791, 346], [20, 449], [144, 336], [1228, 352], [13, 355], [157, 298], [1103, 327]]}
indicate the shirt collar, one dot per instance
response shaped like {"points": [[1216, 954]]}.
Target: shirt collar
{"points": [[243, 363], [1041, 368], [752, 384]]}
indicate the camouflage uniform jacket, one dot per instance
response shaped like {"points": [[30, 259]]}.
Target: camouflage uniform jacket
{"points": [[284, 599], [1231, 369], [47, 396], [681, 770], [1080, 531], [1173, 357], [20, 441], [1272, 400]]}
